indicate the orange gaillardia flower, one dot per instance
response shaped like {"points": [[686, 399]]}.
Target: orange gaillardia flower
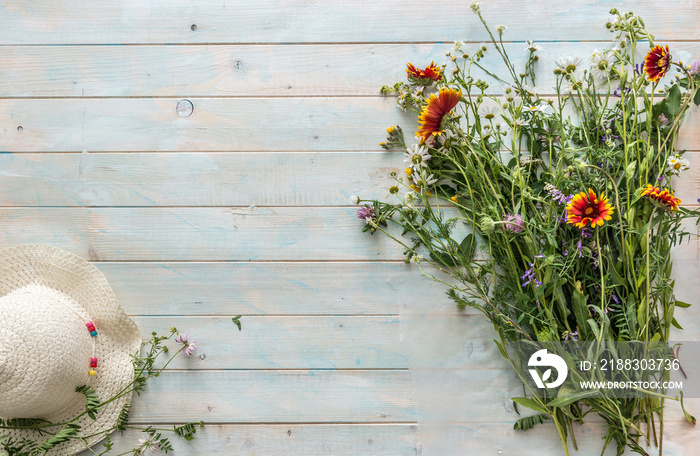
{"points": [[664, 197], [588, 208], [657, 62], [433, 114], [431, 72]]}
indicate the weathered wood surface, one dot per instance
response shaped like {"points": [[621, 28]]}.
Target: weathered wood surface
{"points": [[243, 207], [292, 439], [217, 124], [259, 70], [325, 21]]}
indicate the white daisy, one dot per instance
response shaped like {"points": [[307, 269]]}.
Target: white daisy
{"points": [[528, 90], [489, 112], [418, 157], [570, 64], [532, 47], [676, 165], [458, 46], [423, 180], [510, 95], [538, 108], [600, 66]]}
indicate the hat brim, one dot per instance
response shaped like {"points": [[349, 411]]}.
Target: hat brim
{"points": [[118, 338]]}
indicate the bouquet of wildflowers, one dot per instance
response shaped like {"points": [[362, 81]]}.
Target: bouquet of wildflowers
{"points": [[553, 216]]}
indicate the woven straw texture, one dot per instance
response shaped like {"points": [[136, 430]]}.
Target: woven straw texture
{"points": [[46, 296]]}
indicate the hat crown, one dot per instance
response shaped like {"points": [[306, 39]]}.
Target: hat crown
{"points": [[45, 351]]}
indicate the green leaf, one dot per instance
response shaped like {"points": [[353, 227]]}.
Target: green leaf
{"points": [[682, 304], [580, 305], [237, 321], [467, 246], [675, 323], [443, 259], [631, 168], [565, 400], [527, 423], [531, 404], [696, 98], [674, 100]]}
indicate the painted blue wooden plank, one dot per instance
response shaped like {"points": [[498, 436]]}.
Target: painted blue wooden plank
{"points": [[281, 21], [152, 124], [259, 70], [316, 342], [195, 179], [269, 288], [305, 396], [198, 234], [290, 439]]}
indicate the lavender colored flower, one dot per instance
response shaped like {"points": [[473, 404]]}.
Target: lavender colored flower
{"points": [[513, 223], [663, 120], [571, 335], [617, 92], [695, 68], [639, 69], [190, 344], [579, 246], [530, 276], [366, 213], [662, 177], [148, 442], [557, 195]]}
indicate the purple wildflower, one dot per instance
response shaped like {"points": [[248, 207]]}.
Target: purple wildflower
{"points": [[366, 213], [557, 195], [513, 223], [615, 298], [695, 68], [530, 276], [662, 177], [617, 92], [639, 69], [190, 345], [579, 246], [571, 335], [663, 120]]}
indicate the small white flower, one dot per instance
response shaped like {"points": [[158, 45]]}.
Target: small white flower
{"points": [[489, 112], [532, 47], [501, 28], [354, 199], [475, 6], [458, 46], [600, 66], [148, 442], [521, 122], [418, 157], [538, 108], [510, 95], [676, 165], [570, 64], [416, 258], [423, 180]]}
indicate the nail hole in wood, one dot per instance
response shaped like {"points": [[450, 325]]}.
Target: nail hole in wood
{"points": [[193, 27], [184, 108], [20, 128], [238, 64]]}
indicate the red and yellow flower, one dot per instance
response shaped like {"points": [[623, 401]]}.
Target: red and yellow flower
{"points": [[432, 116], [657, 62], [663, 197], [432, 72], [589, 209]]}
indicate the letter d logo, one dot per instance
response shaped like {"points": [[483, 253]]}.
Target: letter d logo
{"points": [[542, 358]]}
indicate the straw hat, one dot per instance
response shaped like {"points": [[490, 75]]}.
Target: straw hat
{"points": [[49, 298]]}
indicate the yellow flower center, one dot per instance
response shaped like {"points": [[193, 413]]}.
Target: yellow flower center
{"points": [[409, 171], [677, 165], [588, 211]]}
